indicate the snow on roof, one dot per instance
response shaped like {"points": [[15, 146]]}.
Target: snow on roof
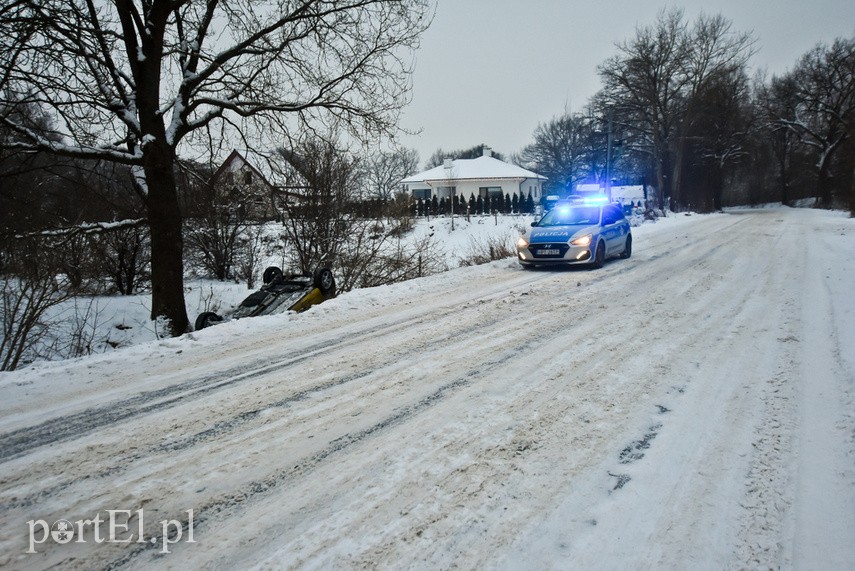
{"points": [[473, 169]]}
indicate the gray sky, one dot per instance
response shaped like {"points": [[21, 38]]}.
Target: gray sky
{"points": [[489, 71]]}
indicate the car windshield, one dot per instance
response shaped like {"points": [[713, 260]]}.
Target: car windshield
{"points": [[570, 215]]}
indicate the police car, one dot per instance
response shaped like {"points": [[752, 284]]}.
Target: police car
{"points": [[582, 231]]}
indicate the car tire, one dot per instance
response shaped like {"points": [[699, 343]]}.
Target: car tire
{"points": [[324, 280], [627, 251], [599, 255], [206, 319], [271, 274]]}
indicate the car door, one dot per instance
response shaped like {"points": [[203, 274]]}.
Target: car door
{"points": [[612, 229]]}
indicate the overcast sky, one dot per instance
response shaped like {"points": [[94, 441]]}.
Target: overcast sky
{"points": [[489, 71]]}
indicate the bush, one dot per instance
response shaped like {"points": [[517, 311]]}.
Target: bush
{"points": [[33, 283], [488, 250]]}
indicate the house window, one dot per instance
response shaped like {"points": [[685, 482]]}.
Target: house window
{"points": [[491, 191], [247, 177], [445, 191], [421, 193]]}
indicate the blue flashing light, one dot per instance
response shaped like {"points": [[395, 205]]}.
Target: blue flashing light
{"points": [[595, 200]]}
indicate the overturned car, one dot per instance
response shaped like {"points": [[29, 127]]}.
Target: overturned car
{"points": [[280, 292]]}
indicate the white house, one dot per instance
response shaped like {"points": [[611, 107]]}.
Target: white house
{"points": [[625, 194], [633, 194], [484, 176]]}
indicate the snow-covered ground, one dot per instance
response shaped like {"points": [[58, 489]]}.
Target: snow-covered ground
{"points": [[689, 408]]}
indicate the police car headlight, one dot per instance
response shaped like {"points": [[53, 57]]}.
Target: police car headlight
{"points": [[522, 242], [583, 241]]}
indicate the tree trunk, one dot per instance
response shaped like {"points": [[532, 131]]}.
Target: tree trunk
{"points": [[824, 186], [852, 195], [167, 247], [717, 187], [784, 179], [784, 162], [678, 193], [666, 199]]}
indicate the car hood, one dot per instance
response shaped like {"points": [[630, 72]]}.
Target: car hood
{"points": [[546, 234]]}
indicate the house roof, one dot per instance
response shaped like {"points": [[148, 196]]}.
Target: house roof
{"points": [[482, 168], [237, 157]]}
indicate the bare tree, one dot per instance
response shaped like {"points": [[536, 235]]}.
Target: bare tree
{"points": [[717, 141], [717, 87], [384, 170], [777, 100], [561, 151], [320, 217], [645, 83], [123, 256], [324, 226], [823, 117], [249, 252], [655, 84], [136, 81], [214, 234], [31, 285]]}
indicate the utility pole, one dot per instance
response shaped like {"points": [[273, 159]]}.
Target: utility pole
{"points": [[609, 156], [448, 165]]}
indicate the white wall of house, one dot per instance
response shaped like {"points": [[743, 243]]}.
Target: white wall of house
{"points": [[467, 188], [627, 194]]}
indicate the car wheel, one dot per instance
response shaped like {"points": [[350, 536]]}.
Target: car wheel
{"points": [[600, 255], [627, 251], [206, 319], [271, 274], [324, 280]]}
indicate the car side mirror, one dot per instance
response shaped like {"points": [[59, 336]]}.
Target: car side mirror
{"points": [[533, 224]]}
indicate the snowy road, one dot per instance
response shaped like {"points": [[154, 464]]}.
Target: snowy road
{"points": [[692, 407]]}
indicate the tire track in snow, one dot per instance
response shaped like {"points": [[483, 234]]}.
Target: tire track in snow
{"points": [[237, 498], [23, 440], [242, 418]]}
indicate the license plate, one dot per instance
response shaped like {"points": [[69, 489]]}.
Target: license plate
{"points": [[548, 252]]}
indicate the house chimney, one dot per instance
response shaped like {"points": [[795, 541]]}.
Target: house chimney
{"points": [[487, 152], [447, 163]]}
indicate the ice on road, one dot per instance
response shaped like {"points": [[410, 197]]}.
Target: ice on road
{"points": [[691, 407]]}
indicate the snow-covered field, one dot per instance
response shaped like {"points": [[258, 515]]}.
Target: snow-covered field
{"points": [[692, 407], [99, 324]]}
